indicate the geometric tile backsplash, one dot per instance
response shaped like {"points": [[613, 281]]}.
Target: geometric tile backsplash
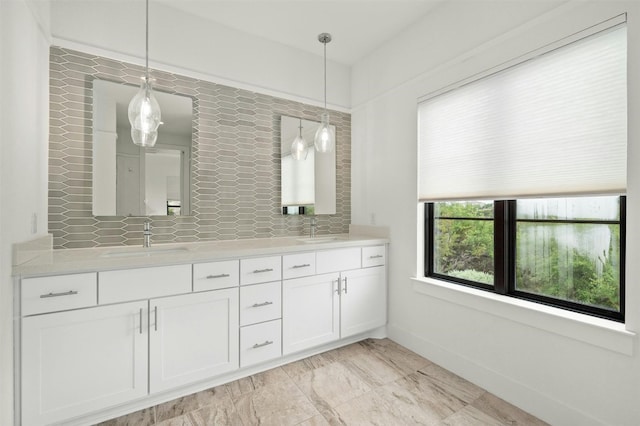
{"points": [[235, 160]]}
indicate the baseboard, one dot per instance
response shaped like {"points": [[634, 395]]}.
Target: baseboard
{"points": [[512, 391]]}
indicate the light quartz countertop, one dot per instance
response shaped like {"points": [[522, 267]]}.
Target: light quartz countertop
{"points": [[42, 261]]}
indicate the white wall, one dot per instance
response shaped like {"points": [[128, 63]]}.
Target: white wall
{"points": [[181, 42], [567, 372], [24, 117]]}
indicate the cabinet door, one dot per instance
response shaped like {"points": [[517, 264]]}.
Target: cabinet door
{"points": [[192, 337], [80, 361], [310, 312], [363, 302]]}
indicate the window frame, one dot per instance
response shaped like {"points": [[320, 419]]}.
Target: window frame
{"points": [[504, 247]]}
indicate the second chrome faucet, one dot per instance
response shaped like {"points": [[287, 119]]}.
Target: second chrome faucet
{"points": [[313, 225]]}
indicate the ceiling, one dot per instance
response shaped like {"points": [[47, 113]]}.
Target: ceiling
{"points": [[357, 26]]}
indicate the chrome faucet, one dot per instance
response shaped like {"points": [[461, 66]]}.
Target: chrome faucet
{"points": [[146, 234], [313, 224]]}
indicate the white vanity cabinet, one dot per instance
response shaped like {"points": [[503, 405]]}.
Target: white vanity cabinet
{"points": [[80, 361], [192, 337], [117, 341], [346, 300], [152, 334]]}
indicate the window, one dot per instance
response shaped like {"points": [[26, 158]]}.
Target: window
{"points": [[523, 173], [463, 241], [565, 252]]}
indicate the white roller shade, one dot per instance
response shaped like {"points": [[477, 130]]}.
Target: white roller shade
{"points": [[553, 125]]}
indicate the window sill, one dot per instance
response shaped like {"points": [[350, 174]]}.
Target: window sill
{"points": [[599, 332]]}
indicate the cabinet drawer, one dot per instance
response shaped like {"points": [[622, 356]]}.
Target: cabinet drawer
{"points": [[216, 275], [298, 265], [260, 342], [338, 260], [59, 293], [373, 256], [143, 283], [260, 270], [260, 303]]}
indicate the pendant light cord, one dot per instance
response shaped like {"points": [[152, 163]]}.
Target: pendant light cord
{"points": [[147, 42], [325, 76]]}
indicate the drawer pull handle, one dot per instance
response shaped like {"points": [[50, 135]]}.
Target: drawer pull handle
{"points": [[377, 256], [259, 271], [306, 265], [257, 305], [260, 345], [66, 293], [211, 277]]}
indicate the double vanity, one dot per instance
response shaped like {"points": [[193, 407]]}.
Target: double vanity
{"points": [[102, 332]]}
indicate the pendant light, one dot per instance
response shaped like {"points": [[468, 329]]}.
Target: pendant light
{"points": [[144, 111], [299, 147], [325, 138]]}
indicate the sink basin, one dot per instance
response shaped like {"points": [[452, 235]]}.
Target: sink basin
{"points": [[317, 240], [145, 252]]}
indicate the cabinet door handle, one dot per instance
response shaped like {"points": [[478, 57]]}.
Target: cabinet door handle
{"points": [[345, 285], [65, 293], [259, 271], [140, 320], [260, 345], [155, 317], [211, 277], [377, 256], [257, 305], [338, 290], [306, 265]]}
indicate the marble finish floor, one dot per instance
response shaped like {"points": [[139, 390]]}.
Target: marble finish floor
{"points": [[373, 382]]}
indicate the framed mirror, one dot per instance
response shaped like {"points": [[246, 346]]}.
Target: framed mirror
{"points": [[129, 180], [308, 185]]}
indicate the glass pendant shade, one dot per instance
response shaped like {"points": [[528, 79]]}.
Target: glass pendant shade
{"points": [[299, 149], [144, 116], [144, 139], [325, 139]]}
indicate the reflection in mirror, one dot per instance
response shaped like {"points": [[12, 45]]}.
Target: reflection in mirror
{"points": [[309, 184], [129, 180]]}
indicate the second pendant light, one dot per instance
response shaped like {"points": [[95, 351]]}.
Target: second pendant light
{"points": [[325, 139]]}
